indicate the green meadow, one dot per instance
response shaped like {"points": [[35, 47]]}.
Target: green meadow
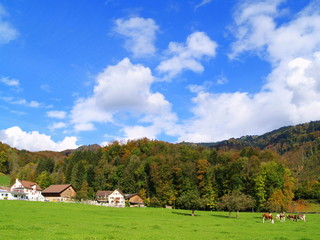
{"points": [[4, 180], [44, 220]]}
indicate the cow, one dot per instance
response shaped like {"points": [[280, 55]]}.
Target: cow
{"points": [[291, 217], [282, 217], [267, 216], [300, 217]]}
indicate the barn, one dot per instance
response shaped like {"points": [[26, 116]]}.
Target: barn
{"points": [[134, 200], [60, 193]]}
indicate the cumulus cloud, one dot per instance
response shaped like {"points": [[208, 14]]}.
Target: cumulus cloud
{"points": [[256, 30], [291, 93], [124, 88], [57, 114], [140, 34], [10, 82], [35, 141], [187, 56], [7, 31]]}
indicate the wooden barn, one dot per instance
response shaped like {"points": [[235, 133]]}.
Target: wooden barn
{"points": [[134, 200], [63, 192]]}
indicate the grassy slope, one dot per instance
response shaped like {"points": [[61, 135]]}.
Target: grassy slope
{"points": [[35, 220], [4, 180]]}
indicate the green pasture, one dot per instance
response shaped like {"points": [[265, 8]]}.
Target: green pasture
{"points": [[44, 220], [4, 180]]}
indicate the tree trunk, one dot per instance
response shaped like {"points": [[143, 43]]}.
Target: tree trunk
{"points": [[192, 214]]}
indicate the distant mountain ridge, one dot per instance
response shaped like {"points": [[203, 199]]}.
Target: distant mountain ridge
{"points": [[281, 140]]}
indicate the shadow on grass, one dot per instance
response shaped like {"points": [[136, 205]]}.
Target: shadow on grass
{"points": [[185, 214], [221, 216]]}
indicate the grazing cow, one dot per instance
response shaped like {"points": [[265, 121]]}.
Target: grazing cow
{"points": [[300, 217], [267, 216], [278, 216], [291, 217], [282, 217]]}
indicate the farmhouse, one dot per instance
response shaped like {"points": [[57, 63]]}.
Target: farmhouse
{"points": [[31, 189], [60, 193], [134, 200], [111, 198], [6, 194]]}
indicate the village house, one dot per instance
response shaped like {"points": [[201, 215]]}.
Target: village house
{"points": [[60, 193], [111, 198], [134, 200], [7, 194], [31, 189]]}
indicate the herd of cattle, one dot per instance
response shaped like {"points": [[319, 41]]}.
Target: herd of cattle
{"points": [[282, 217]]}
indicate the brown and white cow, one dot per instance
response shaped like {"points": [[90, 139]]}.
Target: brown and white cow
{"points": [[282, 217], [267, 216], [291, 217], [297, 217], [300, 217]]}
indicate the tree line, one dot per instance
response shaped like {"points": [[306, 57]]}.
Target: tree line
{"points": [[168, 174]]}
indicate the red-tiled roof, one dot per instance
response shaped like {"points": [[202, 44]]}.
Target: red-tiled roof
{"points": [[28, 184], [4, 188], [57, 188]]}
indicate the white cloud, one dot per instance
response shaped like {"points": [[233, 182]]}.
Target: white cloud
{"points": [[222, 79], [137, 132], [33, 104], [202, 3], [10, 82], [46, 88], [124, 88], [35, 141], [257, 30], [57, 125], [187, 56], [57, 114], [7, 31], [140, 35], [291, 94]]}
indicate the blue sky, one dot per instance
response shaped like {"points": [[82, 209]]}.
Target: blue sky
{"points": [[84, 72]]}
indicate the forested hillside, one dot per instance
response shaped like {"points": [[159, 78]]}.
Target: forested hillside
{"points": [[273, 168]]}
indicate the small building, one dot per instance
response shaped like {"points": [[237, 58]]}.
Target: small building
{"points": [[59, 193], [6, 194], [31, 189], [111, 198], [134, 200]]}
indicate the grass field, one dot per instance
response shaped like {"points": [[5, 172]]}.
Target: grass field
{"points": [[4, 180], [44, 220]]}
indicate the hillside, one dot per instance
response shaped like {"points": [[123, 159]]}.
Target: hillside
{"points": [[283, 164], [281, 140]]}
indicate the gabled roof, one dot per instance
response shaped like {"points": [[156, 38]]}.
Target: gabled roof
{"points": [[107, 193], [57, 188], [103, 193], [28, 184], [128, 196]]}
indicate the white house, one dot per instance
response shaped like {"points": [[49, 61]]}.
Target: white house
{"points": [[6, 194], [111, 198], [31, 189]]}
